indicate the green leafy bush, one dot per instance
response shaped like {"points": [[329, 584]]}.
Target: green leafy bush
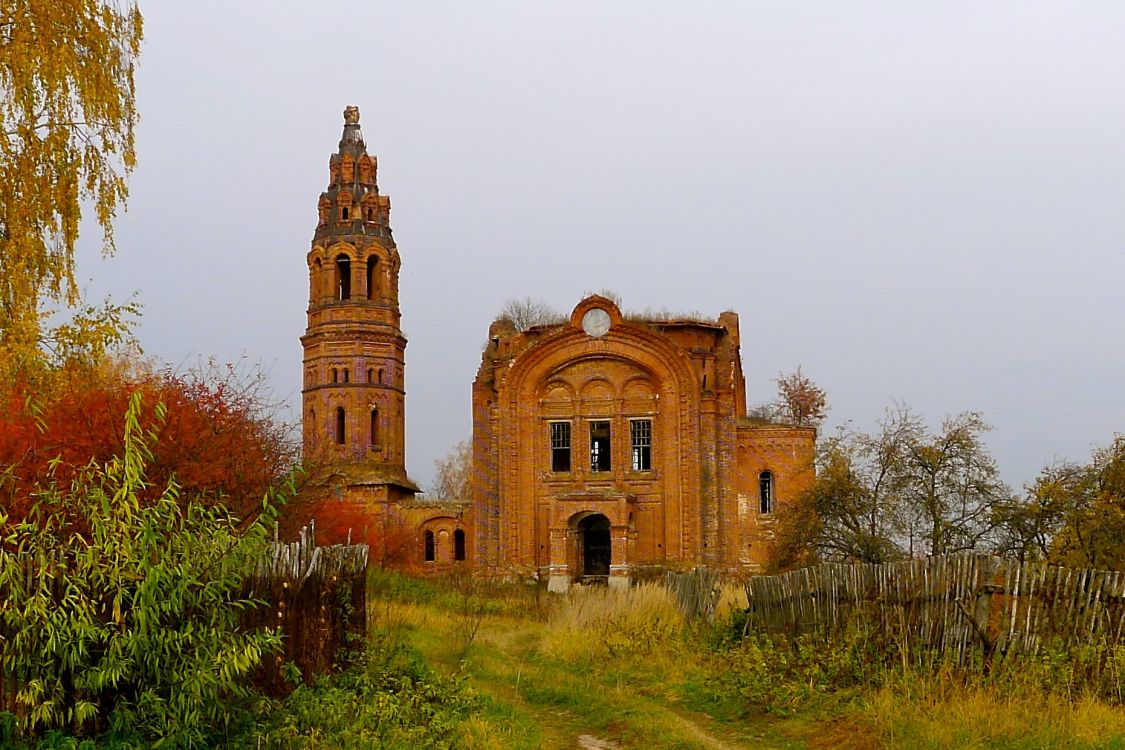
{"points": [[396, 702], [129, 629]]}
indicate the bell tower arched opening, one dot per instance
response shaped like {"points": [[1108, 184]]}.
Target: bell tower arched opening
{"points": [[373, 291], [343, 277]]}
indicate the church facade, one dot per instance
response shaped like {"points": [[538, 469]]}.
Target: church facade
{"points": [[603, 445]]}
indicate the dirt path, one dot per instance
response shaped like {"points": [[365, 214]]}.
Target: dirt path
{"points": [[561, 707]]}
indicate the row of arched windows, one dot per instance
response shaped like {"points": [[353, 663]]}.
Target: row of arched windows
{"points": [[347, 215], [429, 546], [342, 281], [348, 212], [342, 426], [341, 432], [344, 277], [344, 170], [342, 375]]}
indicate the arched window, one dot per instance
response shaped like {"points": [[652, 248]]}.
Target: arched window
{"points": [[765, 492], [372, 278], [310, 429], [371, 214], [343, 277], [428, 544], [344, 213], [458, 545], [340, 425], [370, 375], [380, 376], [345, 374], [374, 428], [335, 375]]}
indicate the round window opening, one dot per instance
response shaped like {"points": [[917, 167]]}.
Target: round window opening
{"points": [[595, 322]]}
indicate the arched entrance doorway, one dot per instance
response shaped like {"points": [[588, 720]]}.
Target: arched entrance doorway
{"points": [[594, 546]]}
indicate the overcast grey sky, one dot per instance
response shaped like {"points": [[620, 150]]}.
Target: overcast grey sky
{"points": [[916, 202]]}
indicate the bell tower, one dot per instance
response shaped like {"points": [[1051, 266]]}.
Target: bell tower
{"points": [[353, 394]]}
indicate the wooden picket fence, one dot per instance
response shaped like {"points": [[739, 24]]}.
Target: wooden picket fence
{"points": [[696, 592], [317, 596], [955, 603]]}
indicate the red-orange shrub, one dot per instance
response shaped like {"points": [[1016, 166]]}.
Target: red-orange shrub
{"points": [[216, 434]]}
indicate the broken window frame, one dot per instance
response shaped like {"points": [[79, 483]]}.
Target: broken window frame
{"points": [[640, 439], [765, 493], [601, 446], [559, 436]]}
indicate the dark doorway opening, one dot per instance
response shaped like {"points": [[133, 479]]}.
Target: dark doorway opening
{"points": [[593, 539]]}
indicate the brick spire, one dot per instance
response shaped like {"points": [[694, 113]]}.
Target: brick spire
{"points": [[354, 394], [352, 186]]}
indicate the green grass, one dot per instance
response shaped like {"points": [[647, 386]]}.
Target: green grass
{"points": [[622, 667], [606, 664]]}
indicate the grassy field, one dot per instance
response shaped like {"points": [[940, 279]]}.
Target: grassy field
{"points": [[460, 664], [623, 668]]}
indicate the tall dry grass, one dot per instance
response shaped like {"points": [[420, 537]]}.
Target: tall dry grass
{"points": [[932, 714], [596, 622]]}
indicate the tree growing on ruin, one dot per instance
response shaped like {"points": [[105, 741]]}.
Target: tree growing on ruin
{"points": [[527, 312], [800, 402], [67, 114], [453, 474]]}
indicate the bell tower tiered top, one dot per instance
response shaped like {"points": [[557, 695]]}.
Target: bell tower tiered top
{"points": [[353, 394]]}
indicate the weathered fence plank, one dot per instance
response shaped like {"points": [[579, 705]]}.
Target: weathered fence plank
{"points": [[696, 593], [953, 603], [317, 596]]}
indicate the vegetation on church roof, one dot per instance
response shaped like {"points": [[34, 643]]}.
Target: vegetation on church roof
{"points": [[527, 313]]}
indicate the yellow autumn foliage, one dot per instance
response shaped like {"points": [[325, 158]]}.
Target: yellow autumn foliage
{"points": [[67, 114]]}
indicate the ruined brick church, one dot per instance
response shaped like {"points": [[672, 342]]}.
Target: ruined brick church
{"points": [[603, 445]]}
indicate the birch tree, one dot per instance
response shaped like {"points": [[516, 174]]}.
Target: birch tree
{"points": [[68, 115]]}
